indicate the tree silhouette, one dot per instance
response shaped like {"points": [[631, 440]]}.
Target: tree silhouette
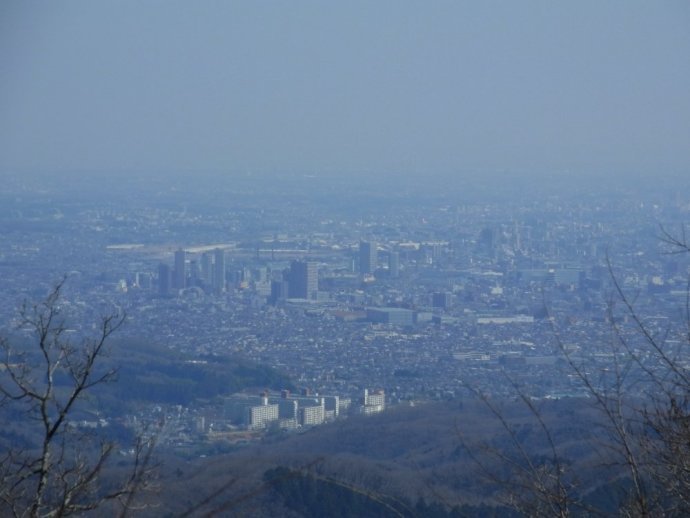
{"points": [[643, 442], [59, 471]]}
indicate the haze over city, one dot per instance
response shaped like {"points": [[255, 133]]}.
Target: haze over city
{"points": [[330, 88], [355, 259]]}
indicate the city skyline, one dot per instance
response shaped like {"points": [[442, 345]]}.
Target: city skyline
{"points": [[337, 257]]}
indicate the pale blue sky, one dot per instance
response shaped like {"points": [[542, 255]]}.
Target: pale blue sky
{"points": [[389, 87]]}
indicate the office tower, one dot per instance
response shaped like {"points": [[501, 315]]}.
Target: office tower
{"points": [[143, 280], [441, 300], [218, 271], [163, 279], [394, 264], [194, 273], [240, 278], [206, 271], [279, 291], [367, 256], [486, 242], [180, 276], [517, 242], [304, 280], [260, 274]]}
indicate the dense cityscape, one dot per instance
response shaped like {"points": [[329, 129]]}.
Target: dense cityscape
{"points": [[344, 259], [402, 294]]}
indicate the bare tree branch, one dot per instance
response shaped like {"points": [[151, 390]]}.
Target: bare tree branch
{"points": [[59, 476], [679, 243]]}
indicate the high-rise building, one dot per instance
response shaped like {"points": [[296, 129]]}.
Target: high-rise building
{"points": [[143, 280], [279, 291], [441, 300], [163, 279], [394, 264], [194, 273], [486, 241], [206, 271], [367, 256], [180, 276], [218, 271], [304, 280]]}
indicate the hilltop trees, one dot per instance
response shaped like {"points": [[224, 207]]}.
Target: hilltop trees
{"points": [[50, 467], [641, 432]]}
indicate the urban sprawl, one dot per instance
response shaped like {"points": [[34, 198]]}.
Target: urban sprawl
{"points": [[364, 298]]}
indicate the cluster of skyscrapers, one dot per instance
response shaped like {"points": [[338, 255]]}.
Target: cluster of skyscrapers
{"points": [[368, 259], [208, 275], [299, 281]]}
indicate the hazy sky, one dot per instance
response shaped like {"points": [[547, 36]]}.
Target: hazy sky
{"points": [[343, 87]]}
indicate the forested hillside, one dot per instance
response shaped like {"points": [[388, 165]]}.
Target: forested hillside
{"points": [[449, 459]]}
